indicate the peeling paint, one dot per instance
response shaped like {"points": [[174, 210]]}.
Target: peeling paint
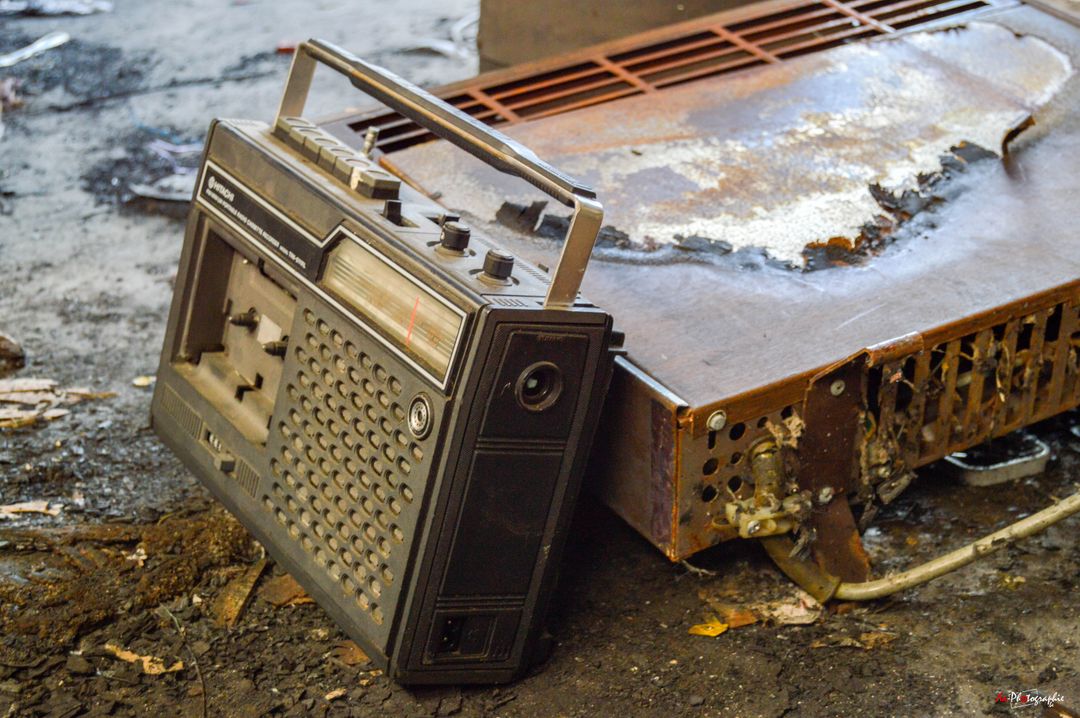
{"points": [[833, 151]]}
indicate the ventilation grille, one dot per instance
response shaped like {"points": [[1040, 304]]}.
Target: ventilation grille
{"points": [[963, 391], [247, 478], [343, 474], [956, 393], [180, 412], [688, 51]]}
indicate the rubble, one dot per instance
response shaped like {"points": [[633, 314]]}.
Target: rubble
{"points": [[25, 402], [12, 356]]}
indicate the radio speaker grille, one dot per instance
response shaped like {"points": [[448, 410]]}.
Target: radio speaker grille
{"points": [[347, 475]]}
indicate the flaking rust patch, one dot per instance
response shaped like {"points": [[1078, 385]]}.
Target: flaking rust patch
{"points": [[831, 151]]}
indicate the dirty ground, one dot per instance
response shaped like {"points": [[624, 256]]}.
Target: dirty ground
{"points": [[119, 577]]}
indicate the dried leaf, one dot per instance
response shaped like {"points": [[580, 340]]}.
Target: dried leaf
{"points": [[151, 665], [350, 654], [714, 627], [733, 615]]}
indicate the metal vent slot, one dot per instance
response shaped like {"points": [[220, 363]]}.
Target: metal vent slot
{"points": [[181, 413], [247, 478], [346, 471], [708, 46], [963, 391]]}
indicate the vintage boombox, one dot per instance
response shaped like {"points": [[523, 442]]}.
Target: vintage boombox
{"points": [[396, 408]]}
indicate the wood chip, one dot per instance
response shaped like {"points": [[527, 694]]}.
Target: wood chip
{"points": [[350, 654], [30, 507], [335, 694], [151, 665], [26, 402], [284, 591], [229, 604]]}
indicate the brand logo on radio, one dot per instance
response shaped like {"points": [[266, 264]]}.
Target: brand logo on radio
{"points": [[221, 189]]}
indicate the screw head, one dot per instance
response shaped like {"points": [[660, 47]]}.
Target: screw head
{"points": [[837, 387], [716, 420]]}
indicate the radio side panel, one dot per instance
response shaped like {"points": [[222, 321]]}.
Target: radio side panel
{"points": [[499, 527]]}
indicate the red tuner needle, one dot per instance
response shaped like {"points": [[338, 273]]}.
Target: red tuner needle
{"points": [[412, 320]]}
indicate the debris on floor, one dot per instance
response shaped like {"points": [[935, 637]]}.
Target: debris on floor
{"points": [[178, 186], [42, 44], [173, 188], [797, 608], [26, 402], [143, 382], [54, 7], [461, 44], [12, 356], [711, 628], [867, 641], [350, 654], [283, 590], [151, 665], [232, 600], [30, 507]]}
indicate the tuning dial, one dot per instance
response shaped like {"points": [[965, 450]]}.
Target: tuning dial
{"points": [[498, 265], [455, 236]]}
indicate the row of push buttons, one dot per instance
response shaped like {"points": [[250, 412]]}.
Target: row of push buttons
{"points": [[358, 172], [364, 176]]}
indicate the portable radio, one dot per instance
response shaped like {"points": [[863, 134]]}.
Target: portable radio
{"points": [[396, 408]]}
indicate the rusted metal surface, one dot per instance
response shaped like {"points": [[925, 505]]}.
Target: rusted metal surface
{"points": [[829, 466], [977, 288], [722, 43], [835, 149]]}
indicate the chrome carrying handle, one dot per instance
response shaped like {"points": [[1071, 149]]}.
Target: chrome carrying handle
{"points": [[476, 138]]}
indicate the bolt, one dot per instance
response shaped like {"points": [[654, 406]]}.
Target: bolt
{"points": [[825, 495], [716, 420], [837, 387]]}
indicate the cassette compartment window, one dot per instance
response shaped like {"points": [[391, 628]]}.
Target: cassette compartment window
{"points": [[419, 322]]}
